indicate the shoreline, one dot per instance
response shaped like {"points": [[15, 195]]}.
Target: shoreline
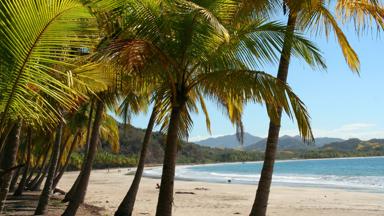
{"points": [[358, 183], [107, 189], [284, 160]]}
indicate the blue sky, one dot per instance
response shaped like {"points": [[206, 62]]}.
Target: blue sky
{"points": [[341, 104]]}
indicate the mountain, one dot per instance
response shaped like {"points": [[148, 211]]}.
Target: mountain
{"points": [[294, 143], [321, 141], [356, 145], [229, 141], [131, 139], [190, 153]]}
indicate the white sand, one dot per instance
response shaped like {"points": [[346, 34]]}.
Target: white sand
{"points": [[107, 189]]}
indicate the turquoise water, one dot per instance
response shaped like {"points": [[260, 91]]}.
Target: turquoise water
{"points": [[348, 173]]}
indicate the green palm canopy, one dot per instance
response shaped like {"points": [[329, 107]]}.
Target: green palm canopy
{"points": [[40, 42], [205, 50]]}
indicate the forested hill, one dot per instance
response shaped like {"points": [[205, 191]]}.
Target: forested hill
{"points": [[131, 138]]}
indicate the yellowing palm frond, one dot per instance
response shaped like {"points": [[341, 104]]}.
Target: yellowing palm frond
{"points": [[361, 12], [237, 87], [318, 17]]}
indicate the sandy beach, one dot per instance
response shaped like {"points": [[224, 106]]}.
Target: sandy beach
{"points": [[107, 189]]}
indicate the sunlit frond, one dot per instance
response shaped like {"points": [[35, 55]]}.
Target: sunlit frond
{"points": [[361, 12], [109, 131], [319, 19], [251, 86], [40, 41]]}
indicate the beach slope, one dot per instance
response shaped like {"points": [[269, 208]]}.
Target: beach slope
{"points": [[107, 189]]}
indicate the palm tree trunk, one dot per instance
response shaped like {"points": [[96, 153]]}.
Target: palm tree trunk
{"points": [[89, 126], [69, 195], [126, 206], [64, 167], [14, 180], [165, 201], [8, 161], [82, 185], [63, 145], [33, 183], [37, 184], [4, 134], [259, 207], [45, 194], [21, 186], [33, 170]]}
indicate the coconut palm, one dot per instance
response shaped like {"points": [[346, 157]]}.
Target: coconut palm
{"points": [[108, 130], [126, 206], [191, 51], [82, 184], [41, 42], [315, 15], [8, 161], [28, 143], [31, 75], [45, 194]]}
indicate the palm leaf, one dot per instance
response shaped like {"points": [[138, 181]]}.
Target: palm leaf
{"points": [[40, 41]]}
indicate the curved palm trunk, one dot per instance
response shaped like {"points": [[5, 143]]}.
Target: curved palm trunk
{"points": [[259, 207], [82, 185], [126, 206], [32, 184], [33, 171], [165, 201], [8, 161], [69, 195], [37, 185], [45, 194], [21, 186], [62, 148], [14, 180], [4, 135], [67, 159]]}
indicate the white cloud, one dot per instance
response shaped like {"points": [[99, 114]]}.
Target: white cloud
{"points": [[363, 131], [355, 127], [199, 138]]}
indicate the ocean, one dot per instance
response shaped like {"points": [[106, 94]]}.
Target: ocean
{"points": [[366, 174]]}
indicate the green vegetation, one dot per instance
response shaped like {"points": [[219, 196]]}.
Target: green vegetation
{"points": [[103, 160], [190, 153]]}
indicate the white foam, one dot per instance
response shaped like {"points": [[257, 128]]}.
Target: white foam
{"points": [[371, 183]]}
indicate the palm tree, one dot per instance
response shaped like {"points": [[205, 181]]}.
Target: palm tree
{"points": [[126, 206], [60, 173], [30, 74], [8, 161], [301, 15], [35, 183], [82, 184], [45, 194], [193, 50], [40, 42], [28, 143]]}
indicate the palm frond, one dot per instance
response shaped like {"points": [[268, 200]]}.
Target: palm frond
{"points": [[241, 86], [318, 18], [361, 12], [40, 41]]}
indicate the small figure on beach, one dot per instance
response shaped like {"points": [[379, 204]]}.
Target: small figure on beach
{"points": [[229, 180], [157, 186]]}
